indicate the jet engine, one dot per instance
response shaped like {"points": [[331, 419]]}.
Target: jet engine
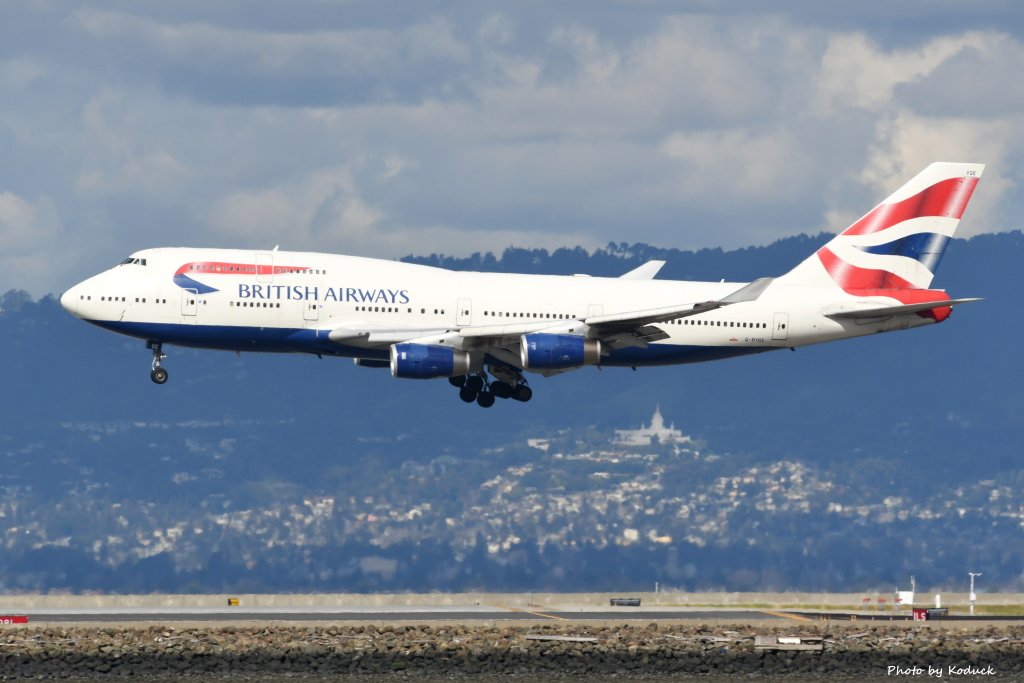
{"points": [[558, 351], [425, 361]]}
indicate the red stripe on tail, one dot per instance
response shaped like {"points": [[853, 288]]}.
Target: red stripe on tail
{"points": [[851, 277], [947, 198]]}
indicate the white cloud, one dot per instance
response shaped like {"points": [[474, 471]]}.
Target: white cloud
{"points": [[359, 51], [30, 248], [25, 225], [856, 72], [319, 127], [16, 74], [738, 165], [907, 143], [323, 203], [121, 163]]}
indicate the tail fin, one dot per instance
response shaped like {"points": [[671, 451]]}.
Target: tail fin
{"points": [[899, 243]]}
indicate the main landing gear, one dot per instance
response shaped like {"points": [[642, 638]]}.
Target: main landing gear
{"points": [[508, 382], [158, 375]]}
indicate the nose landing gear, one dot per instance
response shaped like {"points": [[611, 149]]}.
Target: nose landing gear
{"points": [[158, 374]]}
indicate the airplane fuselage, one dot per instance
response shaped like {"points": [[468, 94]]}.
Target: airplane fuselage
{"points": [[282, 301], [483, 331]]}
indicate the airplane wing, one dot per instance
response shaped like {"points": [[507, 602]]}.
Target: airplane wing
{"points": [[889, 311], [614, 330]]}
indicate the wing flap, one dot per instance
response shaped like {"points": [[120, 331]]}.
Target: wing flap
{"points": [[368, 334]]}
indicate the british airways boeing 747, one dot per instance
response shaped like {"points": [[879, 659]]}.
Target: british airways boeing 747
{"points": [[484, 331]]}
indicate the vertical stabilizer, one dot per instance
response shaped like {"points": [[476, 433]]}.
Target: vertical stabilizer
{"points": [[899, 243]]}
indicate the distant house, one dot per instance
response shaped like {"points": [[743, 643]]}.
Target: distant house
{"points": [[656, 432]]}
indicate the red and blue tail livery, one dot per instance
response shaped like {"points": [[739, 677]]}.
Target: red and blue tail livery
{"points": [[900, 242], [487, 332]]}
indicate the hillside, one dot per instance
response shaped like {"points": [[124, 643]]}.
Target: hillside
{"points": [[843, 467]]}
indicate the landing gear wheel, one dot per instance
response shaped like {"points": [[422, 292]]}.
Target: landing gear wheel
{"points": [[158, 375], [485, 399], [475, 382], [502, 389], [467, 394], [523, 393], [459, 381]]}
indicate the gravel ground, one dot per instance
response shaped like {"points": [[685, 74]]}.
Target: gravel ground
{"points": [[988, 651]]}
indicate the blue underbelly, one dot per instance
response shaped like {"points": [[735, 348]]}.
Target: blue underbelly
{"points": [[302, 340]]}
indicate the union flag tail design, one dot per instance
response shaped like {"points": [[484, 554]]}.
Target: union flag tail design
{"points": [[899, 243]]}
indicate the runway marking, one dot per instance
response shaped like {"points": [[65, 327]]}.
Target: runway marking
{"points": [[785, 615], [526, 611]]}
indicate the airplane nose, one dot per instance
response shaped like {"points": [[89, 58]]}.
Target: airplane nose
{"points": [[69, 300]]}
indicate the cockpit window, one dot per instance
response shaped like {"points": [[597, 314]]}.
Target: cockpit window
{"points": [[133, 261]]}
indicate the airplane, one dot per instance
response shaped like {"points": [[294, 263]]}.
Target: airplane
{"points": [[484, 331]]}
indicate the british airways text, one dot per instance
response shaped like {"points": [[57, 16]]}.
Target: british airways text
{"points": [[303, 293]]}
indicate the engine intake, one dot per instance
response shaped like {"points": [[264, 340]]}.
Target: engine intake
{"points": [[556, 351], [424, 361]]}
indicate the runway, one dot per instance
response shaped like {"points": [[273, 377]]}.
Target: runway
{"points": [[377, 614]]}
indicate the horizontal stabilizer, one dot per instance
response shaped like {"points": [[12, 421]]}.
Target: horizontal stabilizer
{"points": [[889, 311], [645, 272]]}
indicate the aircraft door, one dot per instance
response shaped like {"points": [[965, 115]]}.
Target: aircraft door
{"points": [[264, 267], [189, 299], [780, 327], [464, 315], [311, 310]]}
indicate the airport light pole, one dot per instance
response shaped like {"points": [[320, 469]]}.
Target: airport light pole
{"points": [[972, 597]]}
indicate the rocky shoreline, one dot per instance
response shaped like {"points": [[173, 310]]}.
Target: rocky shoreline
{"points": [[576, 650]]}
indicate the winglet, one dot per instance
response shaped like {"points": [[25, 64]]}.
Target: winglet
{"points": [[645, 272]]}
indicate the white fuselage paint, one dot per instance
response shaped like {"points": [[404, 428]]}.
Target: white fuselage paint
{"points": [[304, 296]]}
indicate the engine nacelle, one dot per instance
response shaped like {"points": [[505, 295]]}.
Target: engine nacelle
{"points": [[424, 361], [557, 351]]}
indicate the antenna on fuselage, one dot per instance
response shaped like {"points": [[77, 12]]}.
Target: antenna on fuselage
{"points": [[275, 247]]}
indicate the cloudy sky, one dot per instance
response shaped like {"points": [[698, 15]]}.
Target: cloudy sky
{"points": [[390, 128]]}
